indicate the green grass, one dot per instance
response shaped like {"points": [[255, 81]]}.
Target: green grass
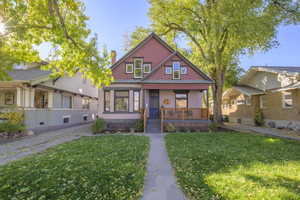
{"points": [[235, 166], [107, 167]]}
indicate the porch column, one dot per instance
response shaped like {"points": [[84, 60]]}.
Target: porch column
{"points": [[112, 101], [19, 97], [142, 99], [32, 95], [50, 99], [207, 104], [100, 103], [130, 100], [27, 97]]}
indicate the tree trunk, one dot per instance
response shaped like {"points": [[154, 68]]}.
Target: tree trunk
{"points": [[217, 96]]}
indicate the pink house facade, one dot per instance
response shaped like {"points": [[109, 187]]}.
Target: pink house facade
{"points": [[155, 83]]}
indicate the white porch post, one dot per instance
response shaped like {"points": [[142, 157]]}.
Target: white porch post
{"points": [[32, 94], [19, 97], [27, 97], [100, 104], [130, 100], [50, 99], [142, 99], [112, 101]]}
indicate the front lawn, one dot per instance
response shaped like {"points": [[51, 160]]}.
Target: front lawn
{"points": [[105, 167], [235, 166]]}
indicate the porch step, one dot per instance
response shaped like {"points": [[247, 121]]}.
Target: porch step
{"points": [[153, 126]]}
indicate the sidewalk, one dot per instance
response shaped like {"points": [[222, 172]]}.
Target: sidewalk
{"points": [[282, 133], [160, 182]]}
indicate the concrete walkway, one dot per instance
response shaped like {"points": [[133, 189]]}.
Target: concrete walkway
{"points": [[262, 130], [37, 143], [160, 182]]}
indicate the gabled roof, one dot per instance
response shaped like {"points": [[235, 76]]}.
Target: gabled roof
{"points": [[292, 86], [153, 35], [28, 74]]}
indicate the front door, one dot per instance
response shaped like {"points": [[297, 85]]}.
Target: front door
{"points": [[154, 104]]}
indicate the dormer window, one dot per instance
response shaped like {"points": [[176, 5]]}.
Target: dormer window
{"points": [[176, 70], [138, 68]]}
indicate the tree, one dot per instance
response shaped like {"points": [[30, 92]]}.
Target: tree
{"points": [[60, 24], [218, 31]]}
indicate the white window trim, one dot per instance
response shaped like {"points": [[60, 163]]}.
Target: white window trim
{"points": [[126, 65], [283, 100], [261, 102], [134, 67], [170, 68], [150, 68], [174, 71], [183, 68]]}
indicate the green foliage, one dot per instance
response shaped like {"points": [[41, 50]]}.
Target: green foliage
{"points": [[259, 117], [9, 127], [132, 40], [108, 167], [98, 126], [213, 127], [13, 117], [170, 127], [235, 166], [218, 32], [61, 25], [139, 125]]}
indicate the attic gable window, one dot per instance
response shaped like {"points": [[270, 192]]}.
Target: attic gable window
{"points": [[138, 68], [176, 70], [129, 68], [147, 67]]}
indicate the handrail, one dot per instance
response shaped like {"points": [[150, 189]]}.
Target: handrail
{"points": [[145, 120]]}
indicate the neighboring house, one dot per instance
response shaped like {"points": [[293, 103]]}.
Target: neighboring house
{"points": [[155, 80], [48, 103], [274, 90]]}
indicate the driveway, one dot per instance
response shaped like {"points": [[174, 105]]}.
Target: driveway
{"points": [[37, 143]]}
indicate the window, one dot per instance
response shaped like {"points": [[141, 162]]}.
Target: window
{"points": [[9, 98], [67, 101], [138, 71], [240, 102], [183, 70], [147, 68], [168, 70], [136, 101], [121, 101], [287, 100], [85, 103], [181, 100], [129, 68], [176, 70], [41, 99], [107, 101], [85, 117], [66, 119], [247, 100], [262, 102]]}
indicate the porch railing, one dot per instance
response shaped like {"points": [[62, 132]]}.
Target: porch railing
{"points": [[184, 113]]}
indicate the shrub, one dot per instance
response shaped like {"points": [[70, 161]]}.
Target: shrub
{"points": [[98, 126], [170, 127], [13, 117], [139, 125], [213, 127], [259, 117], [10, 128]]}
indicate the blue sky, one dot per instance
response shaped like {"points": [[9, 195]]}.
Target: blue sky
{"points": [[112, 19]]}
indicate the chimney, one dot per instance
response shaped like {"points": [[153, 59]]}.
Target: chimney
{"points": [[113, 57]]}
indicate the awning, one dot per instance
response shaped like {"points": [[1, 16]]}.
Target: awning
{"points": [[176, 86]]}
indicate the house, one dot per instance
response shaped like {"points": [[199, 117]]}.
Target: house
{"points": [[272, 90], [48, 103], [155, 83]]}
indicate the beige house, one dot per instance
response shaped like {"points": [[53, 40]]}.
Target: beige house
{"points": [[273, 90], [48, 103]]}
